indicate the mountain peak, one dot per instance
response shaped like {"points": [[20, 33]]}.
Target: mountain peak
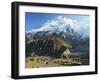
{"points": [[59, 24]]}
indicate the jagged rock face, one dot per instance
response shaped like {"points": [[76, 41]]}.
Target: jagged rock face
{"points": [[53, 47]]}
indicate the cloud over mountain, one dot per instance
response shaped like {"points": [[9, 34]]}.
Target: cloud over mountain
{"points": [[61, 24]]}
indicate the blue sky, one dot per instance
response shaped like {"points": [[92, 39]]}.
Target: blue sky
{"points": [[37, 20]]}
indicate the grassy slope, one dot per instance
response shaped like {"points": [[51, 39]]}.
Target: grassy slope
{"points": [[36, 64], [43, 61]]}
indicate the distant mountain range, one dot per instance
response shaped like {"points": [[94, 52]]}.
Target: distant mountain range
{"points": [[61, 26], [62, 29]]}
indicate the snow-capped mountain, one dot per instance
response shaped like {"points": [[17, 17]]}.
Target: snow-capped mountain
{"points": [[60, 25]]}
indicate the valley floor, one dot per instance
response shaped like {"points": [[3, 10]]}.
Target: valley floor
{"points": [[45, 61]]}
